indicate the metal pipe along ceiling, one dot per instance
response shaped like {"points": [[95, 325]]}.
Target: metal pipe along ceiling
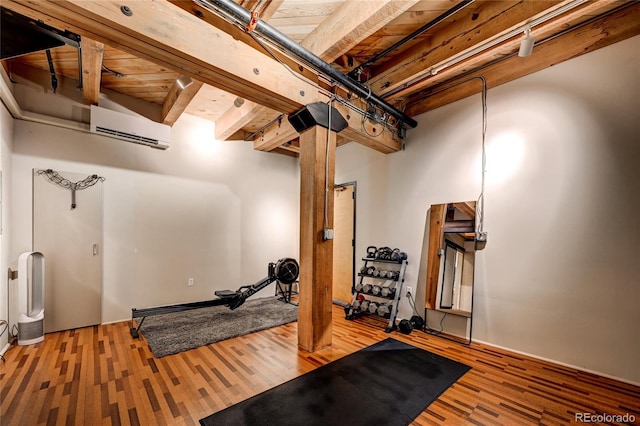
{"points": [[455, 9], [318, 64]]}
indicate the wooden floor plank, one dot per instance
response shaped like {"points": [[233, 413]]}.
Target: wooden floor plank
{"points": [[100, 375]]}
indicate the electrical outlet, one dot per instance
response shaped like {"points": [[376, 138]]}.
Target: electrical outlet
{"points": [[190, 282], [409, 291], [327, 234]]}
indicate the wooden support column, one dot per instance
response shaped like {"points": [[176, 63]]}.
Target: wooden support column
{"points": [[316, 254]]}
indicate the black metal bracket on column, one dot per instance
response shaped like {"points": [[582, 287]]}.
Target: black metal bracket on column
{"points": [[237, 12]]}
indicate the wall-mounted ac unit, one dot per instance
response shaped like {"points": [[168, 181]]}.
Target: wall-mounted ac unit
{"points": [[129, 128]]}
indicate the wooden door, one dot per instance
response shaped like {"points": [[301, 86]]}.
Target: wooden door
{"points": [[71, 241], [343, 241]]}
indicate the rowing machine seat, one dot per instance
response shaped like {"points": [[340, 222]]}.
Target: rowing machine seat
{"points": [[224, 294]]}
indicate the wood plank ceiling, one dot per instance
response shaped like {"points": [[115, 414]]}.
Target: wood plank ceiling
{"points": [[142, 56]]}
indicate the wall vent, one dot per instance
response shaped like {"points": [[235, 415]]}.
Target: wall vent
{"points": [[129, 128]]}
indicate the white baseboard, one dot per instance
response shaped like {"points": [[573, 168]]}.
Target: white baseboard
{"points": [[116, 321], [564, 364]]}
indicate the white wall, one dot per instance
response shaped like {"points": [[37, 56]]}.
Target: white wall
{"points": [[215, 211], [559, 276], [6, 146]]}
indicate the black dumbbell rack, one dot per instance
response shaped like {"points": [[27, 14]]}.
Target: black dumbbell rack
{"points": [[375, 275]]}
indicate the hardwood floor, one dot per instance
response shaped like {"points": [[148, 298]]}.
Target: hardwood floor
{"points": [[100, 375]]}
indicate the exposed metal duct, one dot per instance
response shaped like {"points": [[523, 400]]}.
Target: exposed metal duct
{"points": [[230, 8]]}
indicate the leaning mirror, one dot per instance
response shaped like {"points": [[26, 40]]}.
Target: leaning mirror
{"points": [[450, 269]]}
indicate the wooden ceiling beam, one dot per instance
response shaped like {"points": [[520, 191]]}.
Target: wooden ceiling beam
{"points": [[287, 152], [368, 134], [372, 135], [280, 132], [177, 101], [239, 34], [493, 18], [351, 23], [512, 45], [92, 53], [603, 32], [237, 117], [168, 36]]}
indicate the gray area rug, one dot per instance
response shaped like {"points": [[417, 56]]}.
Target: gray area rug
{"points": [[180, 331]]}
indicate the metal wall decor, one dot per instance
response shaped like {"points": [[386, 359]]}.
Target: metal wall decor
{"points": [[57, 179]]}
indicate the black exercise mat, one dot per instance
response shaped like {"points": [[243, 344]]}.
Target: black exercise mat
{"points": [[388, 383]]}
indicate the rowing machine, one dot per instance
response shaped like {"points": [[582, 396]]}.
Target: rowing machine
{"points": [[284, 271]]}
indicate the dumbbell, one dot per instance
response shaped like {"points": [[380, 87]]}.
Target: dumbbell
{"points": [[376, 290], [376, 273], [371, 270], [363, 270], [364, 305], [384, 310], [356, 305], [358, 286], [373, 307], [367, 288], [389, 289]]}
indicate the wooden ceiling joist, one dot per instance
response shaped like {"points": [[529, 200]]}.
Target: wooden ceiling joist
{"points": [[177, 101], [91, 57], [236, 118]]}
